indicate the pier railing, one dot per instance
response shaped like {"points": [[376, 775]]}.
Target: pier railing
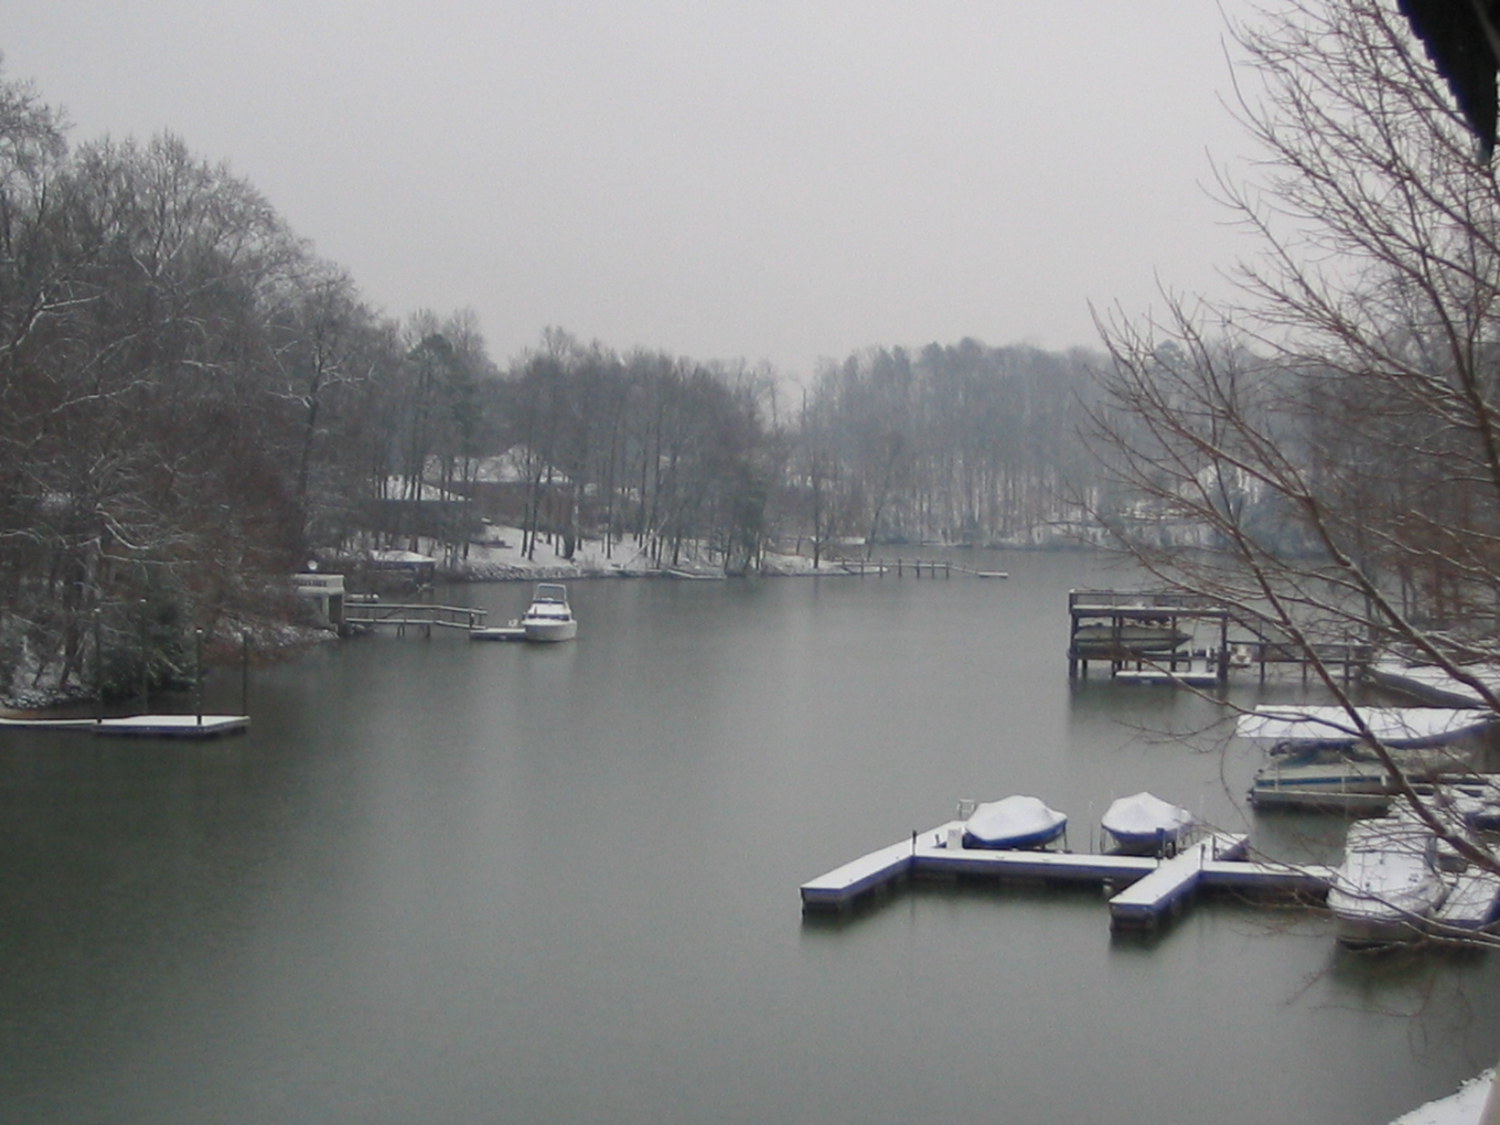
{"points": [[1138, 599], [423, 615]]}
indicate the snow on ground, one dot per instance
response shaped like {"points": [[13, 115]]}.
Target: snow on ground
{"points": [[1462, 1108], [499, 556]]}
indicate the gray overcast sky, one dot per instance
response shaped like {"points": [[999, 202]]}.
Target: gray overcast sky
{"points": [[768, 179]]}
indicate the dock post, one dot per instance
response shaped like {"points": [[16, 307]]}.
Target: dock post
{"points": [[198, 673], [145, 661], [98, 669]]}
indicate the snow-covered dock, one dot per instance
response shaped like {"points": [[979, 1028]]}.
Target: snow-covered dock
{"points": [[141, 726], [498, 633], [1142, 904], [1197, 674], [1150, 888]]}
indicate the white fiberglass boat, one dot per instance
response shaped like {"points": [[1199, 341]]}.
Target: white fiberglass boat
{"points": [[1387, 883], [549, 617], [1144, 823]]}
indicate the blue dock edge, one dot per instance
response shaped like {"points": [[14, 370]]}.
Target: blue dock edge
{"points": [[1152, 888]]}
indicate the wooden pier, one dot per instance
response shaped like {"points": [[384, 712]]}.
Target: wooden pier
{"points": [[901, 567], [421, 615], [1115, 627], [140, 726], [1146, 890]]}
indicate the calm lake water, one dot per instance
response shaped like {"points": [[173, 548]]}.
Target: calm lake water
{"points": [[447, 882]]}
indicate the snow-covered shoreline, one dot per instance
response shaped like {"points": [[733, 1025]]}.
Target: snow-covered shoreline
{"points": [[1463, 1107], [500, 559]]}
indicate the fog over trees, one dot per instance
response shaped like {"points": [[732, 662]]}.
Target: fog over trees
{"points": [[196, 405]]}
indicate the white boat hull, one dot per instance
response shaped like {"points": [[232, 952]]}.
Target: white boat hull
{"points": [[549, 618], [546, 631], [1387, 884]]}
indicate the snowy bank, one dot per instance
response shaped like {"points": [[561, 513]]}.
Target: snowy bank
{"points": [[499, 558], [1461, 1108]]}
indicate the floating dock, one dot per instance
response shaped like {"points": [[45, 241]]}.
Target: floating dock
{"points": [[141, 726], [498, 633], [1198, 674], [1152, 889]]}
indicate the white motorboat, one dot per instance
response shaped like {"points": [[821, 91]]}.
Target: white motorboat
{"points": [[1144, 823], [1013, 823], [549, 617], [1388, 882]]}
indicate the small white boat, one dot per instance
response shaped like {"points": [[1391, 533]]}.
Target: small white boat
{"points": [[1388, 882], [1013, 823], [549, 617], [1144, 823]]}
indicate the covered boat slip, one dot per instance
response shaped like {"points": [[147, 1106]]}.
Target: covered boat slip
{"points": [[1322, 757], [1433, 685], [1398, 727], [1140, 628], [1168, 637]]}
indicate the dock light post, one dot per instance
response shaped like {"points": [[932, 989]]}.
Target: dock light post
{"points": [[145, 662], [98, 669], [198, 673]]}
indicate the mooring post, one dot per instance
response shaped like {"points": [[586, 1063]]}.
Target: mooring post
{"points": [[198, 673], [98, 669], [145, 662]]}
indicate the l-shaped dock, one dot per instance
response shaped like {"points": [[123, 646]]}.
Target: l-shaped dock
{"points": [[1146, 890]]}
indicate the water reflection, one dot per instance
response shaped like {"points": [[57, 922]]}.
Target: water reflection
{"points": [[449, 882]]}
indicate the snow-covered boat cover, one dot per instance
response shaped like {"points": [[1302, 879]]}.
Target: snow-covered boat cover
{"points": [[1143, 815], [1387, 871], [1394, 726], [1015, 818]]}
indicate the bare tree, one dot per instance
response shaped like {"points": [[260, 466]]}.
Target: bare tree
{"points": [[1336, 436]]}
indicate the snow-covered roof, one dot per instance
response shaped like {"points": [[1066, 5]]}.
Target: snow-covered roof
{"points": [[1395, 726]]}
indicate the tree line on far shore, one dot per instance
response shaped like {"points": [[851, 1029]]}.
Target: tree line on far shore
{"points": [[195, 404]]}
